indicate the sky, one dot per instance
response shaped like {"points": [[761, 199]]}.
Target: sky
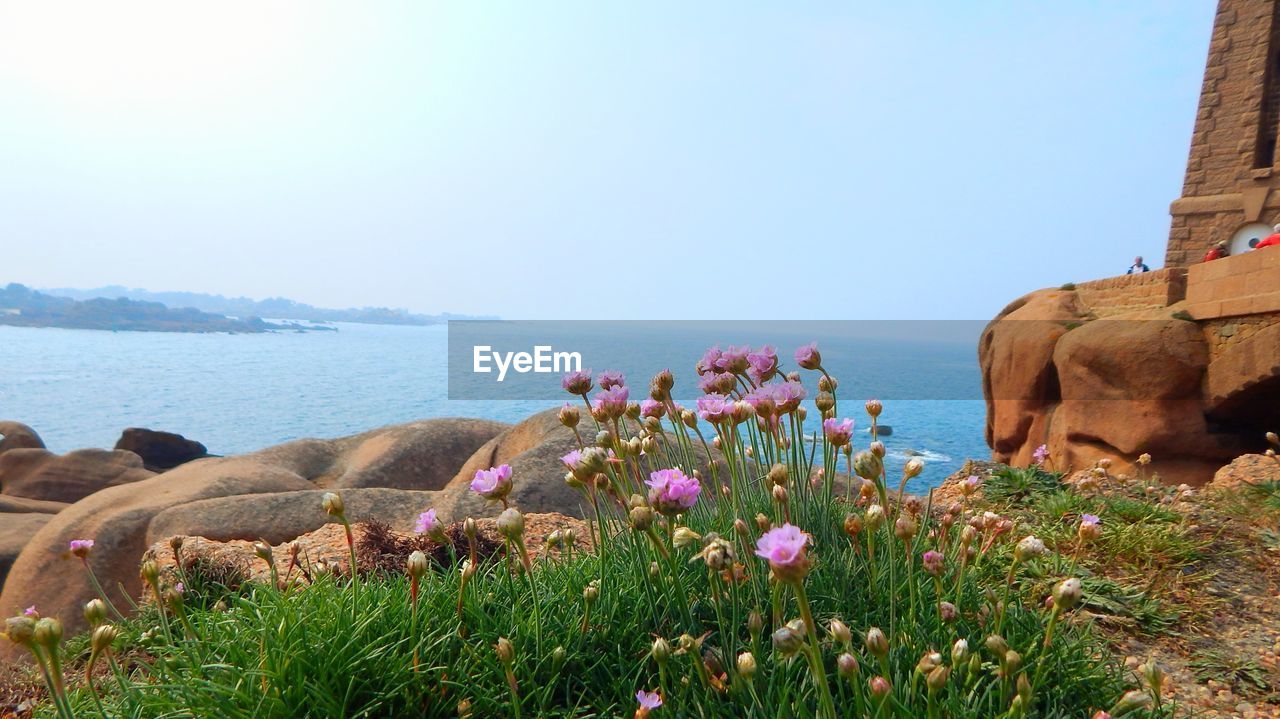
{"points": [[718, 160]]}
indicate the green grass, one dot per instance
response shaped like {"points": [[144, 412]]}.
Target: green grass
{"points": [[341, 648]]}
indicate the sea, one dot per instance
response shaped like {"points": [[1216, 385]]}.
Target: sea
{"points": [[241, 392]]}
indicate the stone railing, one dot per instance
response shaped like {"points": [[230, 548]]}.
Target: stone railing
{"points": [[1245, 284], [1125, 293]]}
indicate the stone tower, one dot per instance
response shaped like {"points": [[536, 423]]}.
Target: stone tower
{"points": [[1234, 164]]}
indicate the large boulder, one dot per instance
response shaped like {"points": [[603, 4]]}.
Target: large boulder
{"points": [[1132, 383], [117, 519], [280, 517], [16, 435], [533, 448], [419, 455], [41, 474], [160, 451], [1246, 469], [15, 531]]}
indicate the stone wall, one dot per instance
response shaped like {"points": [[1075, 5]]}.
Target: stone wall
{"points": [[1148, 290], [1240, 285], [1226, 332]]}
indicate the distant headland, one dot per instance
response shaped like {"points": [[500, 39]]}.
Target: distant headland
{"points": [[270, 307], [22, 306]]}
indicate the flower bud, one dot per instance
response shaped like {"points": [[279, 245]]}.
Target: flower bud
{"points": [[661, 650], [506, 652], [1023, 687], [948, 612], [263, 550], [787, 642], [877, 643], [1154, 674], [95, 612], [755, 624], [852, 525], [840, 632], [1029, 547], [937, 678], [878, 449], [149, 572], [511, 524], [591, 593], [103, 638], [747, 665], [847, 665], [778, 475], [874, 407], [740, 528], [1131, 701], [641, 518], [827, 383], [780, 495], [1273, 438], [928, 662], [1066, 595], [48, 632], [997, 646], [875, 517], [417, 564], [960, 652], [604, 438], [333, 505], [175, 543], [689, 419], [21, 630], [762, 522], [1012, 661], [558, 655], [825, 401], [905, 527], [685, 537], [867, 465], [570, 416], [880, 687], [912, 468]]}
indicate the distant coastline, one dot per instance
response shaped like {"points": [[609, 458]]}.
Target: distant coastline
{"points": [[21, 306], [270, 307]]}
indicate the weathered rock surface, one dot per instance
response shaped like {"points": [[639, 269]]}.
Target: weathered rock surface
{"points": [[280, 517], [1246, 469], [15, 531], [247, 496], [1089, 388], [41, 474], [160, 451], [533, 448], [22, 505], [16, 435]]}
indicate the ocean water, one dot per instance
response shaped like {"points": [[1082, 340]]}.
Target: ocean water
{"points": [[237, 393]]}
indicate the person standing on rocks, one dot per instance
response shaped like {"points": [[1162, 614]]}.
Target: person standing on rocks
{"points": [[1138, 267]]}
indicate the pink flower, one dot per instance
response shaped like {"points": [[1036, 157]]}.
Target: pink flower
{"points": [[428, 523], [710, 362], [610, 378], [577, 382], [652, 408], [715, 408], [180, 588], [735, 360], [30, 611], [612, 401], [788, 395], [808, 356], [648, 700], [933, 562], [839, 432], [764, 364], [572, 459], [783, 547], [1041, 454], [81, 547], [671, 492], [493, 483], [708, 382]]}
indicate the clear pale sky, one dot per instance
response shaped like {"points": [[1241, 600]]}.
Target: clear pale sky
{"points": [[591, 159]]}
